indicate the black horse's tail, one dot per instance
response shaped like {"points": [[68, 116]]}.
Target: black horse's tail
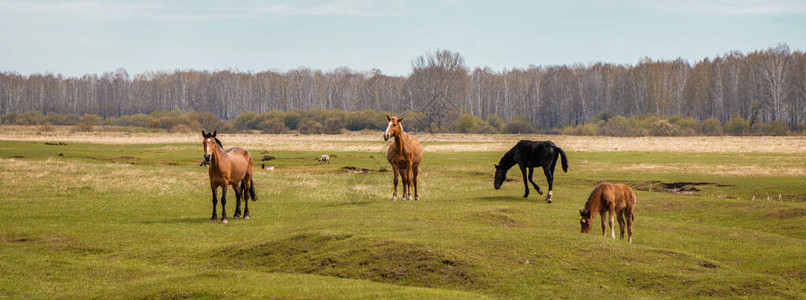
{"points": [[564, 158], [251, 188]]}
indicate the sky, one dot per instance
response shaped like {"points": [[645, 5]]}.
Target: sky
{"points": [[74, 38]]}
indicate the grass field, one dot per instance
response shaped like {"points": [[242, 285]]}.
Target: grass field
{"points": [[125, 215]]}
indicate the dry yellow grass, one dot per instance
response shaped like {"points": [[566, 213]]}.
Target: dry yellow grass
{"points": [[372, 141]]}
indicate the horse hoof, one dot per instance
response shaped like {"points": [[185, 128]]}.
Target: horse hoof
{"points": [[224, 221], [417, 198], [246, 217], [539, 192], [213, 220], [394, 198], [548, 201]]}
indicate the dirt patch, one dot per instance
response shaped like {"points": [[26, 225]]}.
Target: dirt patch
{"points": [[354, 170], [789, 213], [267, 158], [346, 256], [679, 188]]}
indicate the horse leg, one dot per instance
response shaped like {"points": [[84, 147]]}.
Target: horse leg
{"points": [[603, 216], [525, 181], [620, 215], [550, 178], [611, 221], [537, 188], [247, 195], [215, 203], [394, 194], [629, 216], [224, 204], [414, 171], [238, 187], [404, 176], [410, 175]]}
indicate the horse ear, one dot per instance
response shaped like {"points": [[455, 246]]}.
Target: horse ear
{"points": [[581, 213], [204, 134], [214, 132], [496, 166], [388, 118], [400, 120]]}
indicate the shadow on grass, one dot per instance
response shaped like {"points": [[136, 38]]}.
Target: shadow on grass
{"points": [[508, 198], [200, 220]]}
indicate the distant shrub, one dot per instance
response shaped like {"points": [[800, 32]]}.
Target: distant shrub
{"points": [[205, 119], [86, 123], [737, 126], [587, 129], [138, 120], [62, 119], [777, 129], [310, 127], [495, 122], [272, 126], [620, 126], [518, 127], [663, 128], [485, 128], [292, 119], [333, 125], [467, 123], [711, 127]]}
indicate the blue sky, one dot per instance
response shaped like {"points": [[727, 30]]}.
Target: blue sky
{"points": [[79, 37]]}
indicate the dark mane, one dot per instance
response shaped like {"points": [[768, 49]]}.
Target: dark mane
{"points": [[219, 142], [508, 160]]}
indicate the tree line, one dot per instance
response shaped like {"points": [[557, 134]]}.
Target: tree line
{"points": [[763, 86]]}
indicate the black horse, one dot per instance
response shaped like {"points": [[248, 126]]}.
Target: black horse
{"points": [[531, 154]]}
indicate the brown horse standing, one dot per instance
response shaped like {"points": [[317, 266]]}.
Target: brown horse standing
{"points": [[405, 155], [615, 199], [231, 167]]}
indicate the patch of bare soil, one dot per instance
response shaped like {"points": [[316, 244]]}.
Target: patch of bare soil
{"points": [[354, 170], [679, 188], [346, 256], [789, 213]]}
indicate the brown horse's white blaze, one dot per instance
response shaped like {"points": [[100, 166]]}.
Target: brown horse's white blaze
{"points": [[617, 200], [231, 167], [405, 155]]}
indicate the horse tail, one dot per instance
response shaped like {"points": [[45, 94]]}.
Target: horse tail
{"points": [[564, 158], [252, 189]]}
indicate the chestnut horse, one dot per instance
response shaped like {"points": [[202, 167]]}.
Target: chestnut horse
{"points": [[405, 155], [231, 167], [615, 199]]}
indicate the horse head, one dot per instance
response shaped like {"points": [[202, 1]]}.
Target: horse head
{"points": [[585, 222], [209, 145], [500, 176], [394, 128]]}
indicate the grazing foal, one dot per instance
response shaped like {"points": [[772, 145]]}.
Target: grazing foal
{"points": [[614, 199], [405, 155], [231, 167]]}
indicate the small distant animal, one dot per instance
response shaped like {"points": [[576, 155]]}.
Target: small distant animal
{"points": [[405, 155], [528, 155], [324, 159], [615, 199]]}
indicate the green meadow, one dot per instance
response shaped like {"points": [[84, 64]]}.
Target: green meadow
{"points": [[92, 220]]}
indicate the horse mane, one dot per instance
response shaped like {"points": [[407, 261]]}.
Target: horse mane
{"points": [[588, 203], [219, 142], [508, 160]]}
